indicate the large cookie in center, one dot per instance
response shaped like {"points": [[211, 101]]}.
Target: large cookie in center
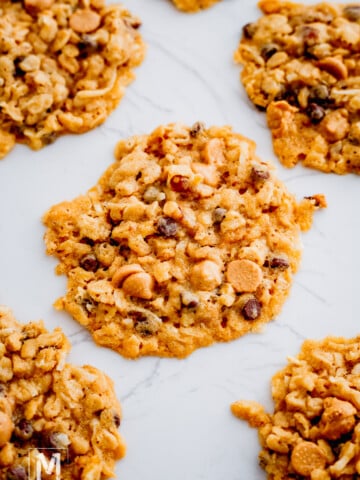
{"points": [[187, 239]]}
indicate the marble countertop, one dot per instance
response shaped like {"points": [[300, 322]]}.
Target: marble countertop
{"points": [[177, 422]]}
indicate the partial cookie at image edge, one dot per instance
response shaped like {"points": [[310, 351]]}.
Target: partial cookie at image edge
{"points": [[48, 406], [65, 68], [193, 6], [314, 431], [301, 65]]}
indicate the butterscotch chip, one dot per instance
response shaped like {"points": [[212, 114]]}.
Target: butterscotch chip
{"points": [[313, 432], [189, 260], [301, 65], [125, 271], [84, 21], [307, 457], [244, 275], [63, 67], [49, 405], [192, 6], [140, 285]]}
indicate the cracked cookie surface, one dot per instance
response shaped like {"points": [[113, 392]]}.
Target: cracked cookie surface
{"points": [[188, 238], [63, 67], [301, 63], [314, 431], [49, 406], [192, 6]]}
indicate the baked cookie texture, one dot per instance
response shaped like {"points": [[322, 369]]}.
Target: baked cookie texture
{"points": [[314, 431], [63, 67], [301, 64], [49, 406], [188, 238], [192, 6]]}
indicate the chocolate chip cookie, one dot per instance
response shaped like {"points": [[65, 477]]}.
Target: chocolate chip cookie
{"points": [[301, 63], [188, 238], [192, 6], [49, 407], [63, 67], [314, 432]]}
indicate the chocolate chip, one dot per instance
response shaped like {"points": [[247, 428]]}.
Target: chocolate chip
{"points": [[278, 263], [23, 430], [320, 95], [49, 138], [88, 46], [219, 214], [16, 473], [252, 309], [196, 129], [315, 113], [113, 242], [56, 440], [189, 299], [167, 226], [260, 174], [117, 420], [19, 72], [249, 30], [354, 138], [290, 96], [352, 13], [88, 304], [310, 35], [179, 183], [89, 263], [269, 50], [132, 23], [146, 326]]}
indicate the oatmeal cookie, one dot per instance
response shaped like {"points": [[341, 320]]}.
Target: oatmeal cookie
{"points": [[63, 67], [48, 406], [301, 64], [192, 6], [314, 432], [187, 239]]}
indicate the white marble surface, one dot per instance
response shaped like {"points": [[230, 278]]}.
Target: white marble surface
{"points": [[177, 422]]}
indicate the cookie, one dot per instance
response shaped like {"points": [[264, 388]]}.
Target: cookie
{"points": [[188, 238], [49, 407], [63, 67], [313, 432], [301, 64], [192, 6]]}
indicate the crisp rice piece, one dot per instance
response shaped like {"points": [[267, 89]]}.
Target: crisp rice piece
{"points": [[187, 239], [301, 64], [48, 406], [192, 6], [314, 431], [63, 67]]}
